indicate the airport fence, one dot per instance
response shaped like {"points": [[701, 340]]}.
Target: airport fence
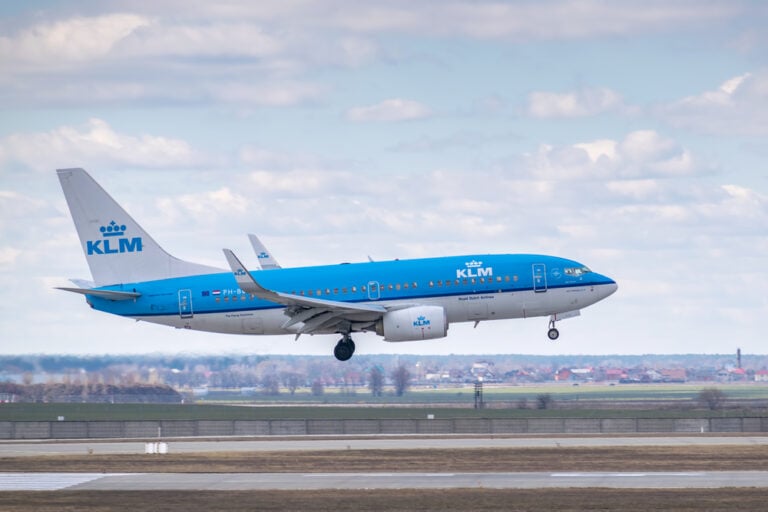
{"points": [[309, 427]]}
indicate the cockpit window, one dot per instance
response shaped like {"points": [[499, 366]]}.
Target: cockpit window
{"points": [[577, 271]]}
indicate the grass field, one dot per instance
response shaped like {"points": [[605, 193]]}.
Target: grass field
{"points": [[139, 412], [500, 393], [680, 401], [371, 500], [466, 460]]}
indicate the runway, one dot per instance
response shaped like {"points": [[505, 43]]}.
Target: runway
{"points": [[372, 480], [360, 481], [31, 448]]}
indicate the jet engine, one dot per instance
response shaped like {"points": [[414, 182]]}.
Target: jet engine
{"points": [[414, 323]]}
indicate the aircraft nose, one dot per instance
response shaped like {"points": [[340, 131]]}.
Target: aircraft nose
{"points": [[610, 287], [605, 286]]}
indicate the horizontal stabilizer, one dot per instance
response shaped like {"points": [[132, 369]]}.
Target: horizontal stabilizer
{"points": [[103, 294]]}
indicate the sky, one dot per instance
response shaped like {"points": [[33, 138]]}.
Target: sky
{"points": [[630, 136]]}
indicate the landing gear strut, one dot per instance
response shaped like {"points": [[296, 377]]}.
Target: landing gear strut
{"points": [[344, 348], [553, 333]]}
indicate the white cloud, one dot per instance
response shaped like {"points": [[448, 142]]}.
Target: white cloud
{"points": [[205, 208], [395, 109], [582, 103], [193, 52], [563, 19], [221, 39], [641, 154], [635, 189], [739, 106], [266, 94], [94, 143], [526, 20], [70, 41], [8, 256]]}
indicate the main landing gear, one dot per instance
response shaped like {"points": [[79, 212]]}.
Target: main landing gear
{"points": [[553, 333], [344, 348]]}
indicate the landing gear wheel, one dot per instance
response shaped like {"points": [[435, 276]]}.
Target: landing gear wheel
{"points": [[553, 334], [344, 349]]}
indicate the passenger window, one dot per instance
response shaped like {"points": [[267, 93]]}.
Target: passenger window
{"points": [[389, 287], [439, 283], [415, 284], [431, 284], [447, 282], [397, 286], [498, 279], [506, 279], [405, 286], [354, 289], [344, 290]]}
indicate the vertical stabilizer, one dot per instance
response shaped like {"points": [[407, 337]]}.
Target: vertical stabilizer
{"points": [[117, 249]]}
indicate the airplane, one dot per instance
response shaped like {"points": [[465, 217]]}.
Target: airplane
{"points": [[401, 300]]}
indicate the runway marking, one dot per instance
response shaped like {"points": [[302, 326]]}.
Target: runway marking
{"points": [[385, 475], [45, 481], [348, 475], [623, 475]]}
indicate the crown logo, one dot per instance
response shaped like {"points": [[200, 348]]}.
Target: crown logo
{"points": [[474, 264], [113, 229], [263, 255]]}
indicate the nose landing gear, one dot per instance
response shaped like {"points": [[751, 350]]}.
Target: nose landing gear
{"points": [[553, 333]]}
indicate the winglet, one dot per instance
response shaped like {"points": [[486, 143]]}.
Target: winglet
{"points": [[266, 260], [245, 280]]}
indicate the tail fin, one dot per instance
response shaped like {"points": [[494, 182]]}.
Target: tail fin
{"points": [[117, 249]]}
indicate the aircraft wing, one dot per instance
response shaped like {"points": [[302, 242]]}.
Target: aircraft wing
{"points": [[316, 315]]}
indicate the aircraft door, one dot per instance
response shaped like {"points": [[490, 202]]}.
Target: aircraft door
{"points": [[185, 304], [539, 277], [373, 290]]}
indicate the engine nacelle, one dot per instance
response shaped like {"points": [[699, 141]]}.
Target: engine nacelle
{"points": [[412, 324]]}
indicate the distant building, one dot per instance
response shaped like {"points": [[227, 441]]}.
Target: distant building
{"points": [[674, 375]]}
